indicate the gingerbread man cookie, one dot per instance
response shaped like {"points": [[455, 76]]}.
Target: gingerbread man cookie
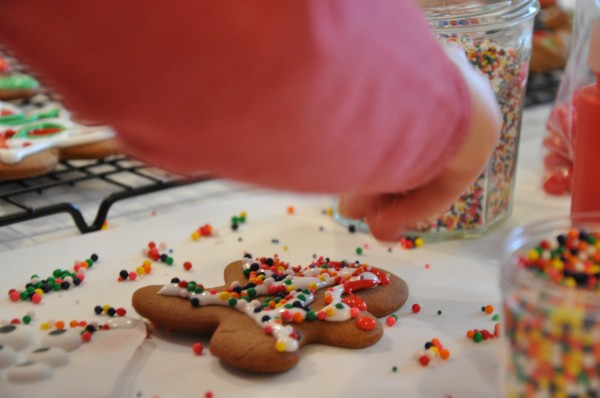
{"points": [[268, 309]]}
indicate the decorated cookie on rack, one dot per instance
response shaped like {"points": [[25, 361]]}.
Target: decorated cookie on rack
{"points": [[268, 309], [32, 143]]}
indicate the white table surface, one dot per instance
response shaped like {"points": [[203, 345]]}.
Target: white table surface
{"points": [[463, 277]]}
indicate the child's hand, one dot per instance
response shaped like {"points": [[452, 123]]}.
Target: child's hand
{"points": [[388, 215]]}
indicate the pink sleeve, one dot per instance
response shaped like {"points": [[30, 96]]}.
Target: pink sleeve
{"points": [[308, 95]]}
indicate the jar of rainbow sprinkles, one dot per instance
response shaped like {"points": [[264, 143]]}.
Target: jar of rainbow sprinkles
{"points": [[496, 37], [551, 284]]}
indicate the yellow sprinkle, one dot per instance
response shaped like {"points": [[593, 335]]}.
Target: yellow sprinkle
{"points": [[322, 277], [45, 326], [147, 262], [436, 350], [280, 346], [224, 296], [557, 264], [39, 291], [313, 285], [533, 254], [418, 242], [570, 282], [140, 270], [329, 211], [285, 248], [195, 235], [291, 288], [329, 311], [105, 308], [243, 214]]}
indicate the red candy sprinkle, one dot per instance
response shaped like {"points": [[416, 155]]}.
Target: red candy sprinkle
{"points": [[197, 348], [424, 360], [121, 311], [187, 266], [36, 298], [86, 336], [366, 323], [416, 308], [390, 320]]}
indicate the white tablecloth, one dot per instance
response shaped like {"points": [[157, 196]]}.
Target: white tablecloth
{"points": [[461, 278]]}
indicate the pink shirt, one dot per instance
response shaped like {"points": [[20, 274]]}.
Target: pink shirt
{"points": [[307, 95]]}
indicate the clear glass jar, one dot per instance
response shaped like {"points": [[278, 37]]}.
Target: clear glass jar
{"points": [[551, 307], [496, 37]]}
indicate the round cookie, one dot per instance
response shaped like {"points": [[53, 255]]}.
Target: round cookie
{"points": [[93, 150], [240, 341], [31, 166], [18, 87]]}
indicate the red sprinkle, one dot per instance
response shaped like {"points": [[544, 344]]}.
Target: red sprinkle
{"points": [[187, 266], [197, 348], [36, 298], [424, 360], [86, 336], [390, 320], [366, 323], [416, 308]]}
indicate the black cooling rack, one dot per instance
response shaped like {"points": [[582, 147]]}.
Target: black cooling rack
{"points": [[126, 178]]}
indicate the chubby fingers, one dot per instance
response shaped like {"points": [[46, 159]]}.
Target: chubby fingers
{"points": [[389, 215]]}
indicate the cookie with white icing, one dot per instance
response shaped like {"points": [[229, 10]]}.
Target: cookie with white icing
{"points": [[268, 309], [32, 143]]}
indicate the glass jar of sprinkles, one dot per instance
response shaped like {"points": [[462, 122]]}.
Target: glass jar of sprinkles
{"points": [[496, 37], [551, 283]]}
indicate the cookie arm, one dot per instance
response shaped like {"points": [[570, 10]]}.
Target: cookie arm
{"points": [[306, 95]]}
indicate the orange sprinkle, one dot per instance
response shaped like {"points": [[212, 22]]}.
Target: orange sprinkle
{"points": [[291, 210], [74, 324], [298, 317], [470, 334], [489, 309], [328, 299], [444, 353], [59, 325]]}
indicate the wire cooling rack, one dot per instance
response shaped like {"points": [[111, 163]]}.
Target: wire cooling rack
{"points": [[110, 180]]}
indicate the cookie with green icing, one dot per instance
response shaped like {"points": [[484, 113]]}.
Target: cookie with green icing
{"points": [[268, 310], [18, 86]]}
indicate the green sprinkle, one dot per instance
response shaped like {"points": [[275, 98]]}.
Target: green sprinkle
{"points": [[34, 276], [496, 317], [234, 220], [24, 295], [57, 273], [26, 319], [439, 312], [198, 289], [477, 337], [232, 302], [90, 262], [394, 369], [169, 261], [359, 250], [251, 292], [339, 306], [311, 315], [301, 297]]}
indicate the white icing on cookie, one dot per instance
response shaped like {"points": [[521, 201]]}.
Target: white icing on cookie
{"points": [[15, 143]]}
